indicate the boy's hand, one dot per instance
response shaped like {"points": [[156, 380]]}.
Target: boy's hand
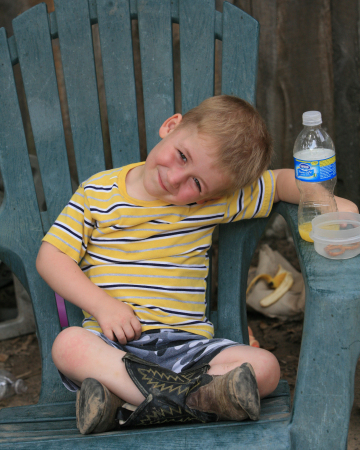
{"points": [[118, 321], [346, 205]]}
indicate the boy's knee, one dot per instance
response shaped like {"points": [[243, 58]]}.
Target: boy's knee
{"points": [[270, 374], [274, 368], [67, 346]]}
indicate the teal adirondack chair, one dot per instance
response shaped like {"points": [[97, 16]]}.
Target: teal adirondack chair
{"points": [[319, 417]]}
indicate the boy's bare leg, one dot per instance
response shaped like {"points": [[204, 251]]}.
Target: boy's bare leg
{"points": [[80, 354], [264, 363]]}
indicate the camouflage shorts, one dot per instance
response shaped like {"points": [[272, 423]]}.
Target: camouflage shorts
{"points": [[174, 349]]}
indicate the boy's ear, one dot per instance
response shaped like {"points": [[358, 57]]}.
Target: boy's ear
{"points": [[169, 125]]}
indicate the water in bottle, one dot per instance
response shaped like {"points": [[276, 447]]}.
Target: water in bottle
{"points": [[315, 172], [9, 385]]}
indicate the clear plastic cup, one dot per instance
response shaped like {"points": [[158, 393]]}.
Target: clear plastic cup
{"points": [[336, 235]]}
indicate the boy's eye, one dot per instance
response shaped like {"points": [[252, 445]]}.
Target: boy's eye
{"points": [[182, 156], [197, 182]]}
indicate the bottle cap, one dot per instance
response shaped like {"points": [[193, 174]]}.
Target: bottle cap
{"points": [[20, 387], [311, 118]]}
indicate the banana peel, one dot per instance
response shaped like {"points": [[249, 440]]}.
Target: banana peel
{"points": [[281, 282]]}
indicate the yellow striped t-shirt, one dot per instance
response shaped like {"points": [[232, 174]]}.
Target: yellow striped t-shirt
{"points": [[150, 255]]}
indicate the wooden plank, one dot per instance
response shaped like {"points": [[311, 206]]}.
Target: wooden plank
{"points": [[197, 48], [282, 389], [34, 414], [237, 243], [329, 353], [80, 80], [208, 293], [21, 229], [239, 53], [74, 314], [268, 98], [37, 429], [20, 203], [245, 5], [345, 34], [273, 406], [254, 436], [8, 10], [57, 418], [155, 33], [67, 429], [304, 77], [38, 72], [118, 66]]}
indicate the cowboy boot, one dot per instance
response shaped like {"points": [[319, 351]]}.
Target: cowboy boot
{"points": [[232, 396], [96, 408], [192, 395], [165, 394]]}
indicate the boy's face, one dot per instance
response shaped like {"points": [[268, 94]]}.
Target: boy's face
{"points": [[181, 168]]}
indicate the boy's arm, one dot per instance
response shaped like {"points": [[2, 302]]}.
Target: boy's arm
{"points": [[64, 276], [287, 191]]}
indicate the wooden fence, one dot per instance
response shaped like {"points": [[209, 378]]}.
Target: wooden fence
{"points": [[308, 60]]}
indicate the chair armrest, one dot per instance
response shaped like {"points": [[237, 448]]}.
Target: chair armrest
{"points": [[330, 345]]}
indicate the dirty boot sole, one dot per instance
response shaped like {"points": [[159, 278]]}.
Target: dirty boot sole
{"points": [[244, 391], [96, 408]]}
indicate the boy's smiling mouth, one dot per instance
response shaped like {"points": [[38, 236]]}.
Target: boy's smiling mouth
{"points": [[161, 182]]}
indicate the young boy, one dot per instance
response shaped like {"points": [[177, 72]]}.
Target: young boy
{"points": [[141, 235]]}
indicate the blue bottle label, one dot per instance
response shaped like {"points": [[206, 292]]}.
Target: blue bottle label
{"points": [[315, 171]]}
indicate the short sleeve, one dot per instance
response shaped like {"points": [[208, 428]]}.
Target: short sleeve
{"points": [[253, 201], [72, 230]]}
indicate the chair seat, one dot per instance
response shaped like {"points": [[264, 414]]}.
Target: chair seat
{"points": [[330, 342], [50, 425]]}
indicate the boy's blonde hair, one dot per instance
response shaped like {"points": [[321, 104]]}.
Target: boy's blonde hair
{"points": [[243, 141]]}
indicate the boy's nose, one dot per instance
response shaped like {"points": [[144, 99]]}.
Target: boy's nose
{"points": [[176, 176]]}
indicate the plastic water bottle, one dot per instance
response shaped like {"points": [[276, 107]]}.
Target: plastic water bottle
{"points": [[9, 385], [315, 172]]}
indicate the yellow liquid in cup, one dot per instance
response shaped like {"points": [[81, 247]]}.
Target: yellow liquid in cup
{"points": [[304, 230]]}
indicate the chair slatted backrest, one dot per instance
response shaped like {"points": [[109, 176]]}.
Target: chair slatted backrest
{"points": [[21, 225], [118, 67], [77, 57], [199, 24]]}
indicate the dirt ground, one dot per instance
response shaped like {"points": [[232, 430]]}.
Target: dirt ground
{"points": [[21, 355]]}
